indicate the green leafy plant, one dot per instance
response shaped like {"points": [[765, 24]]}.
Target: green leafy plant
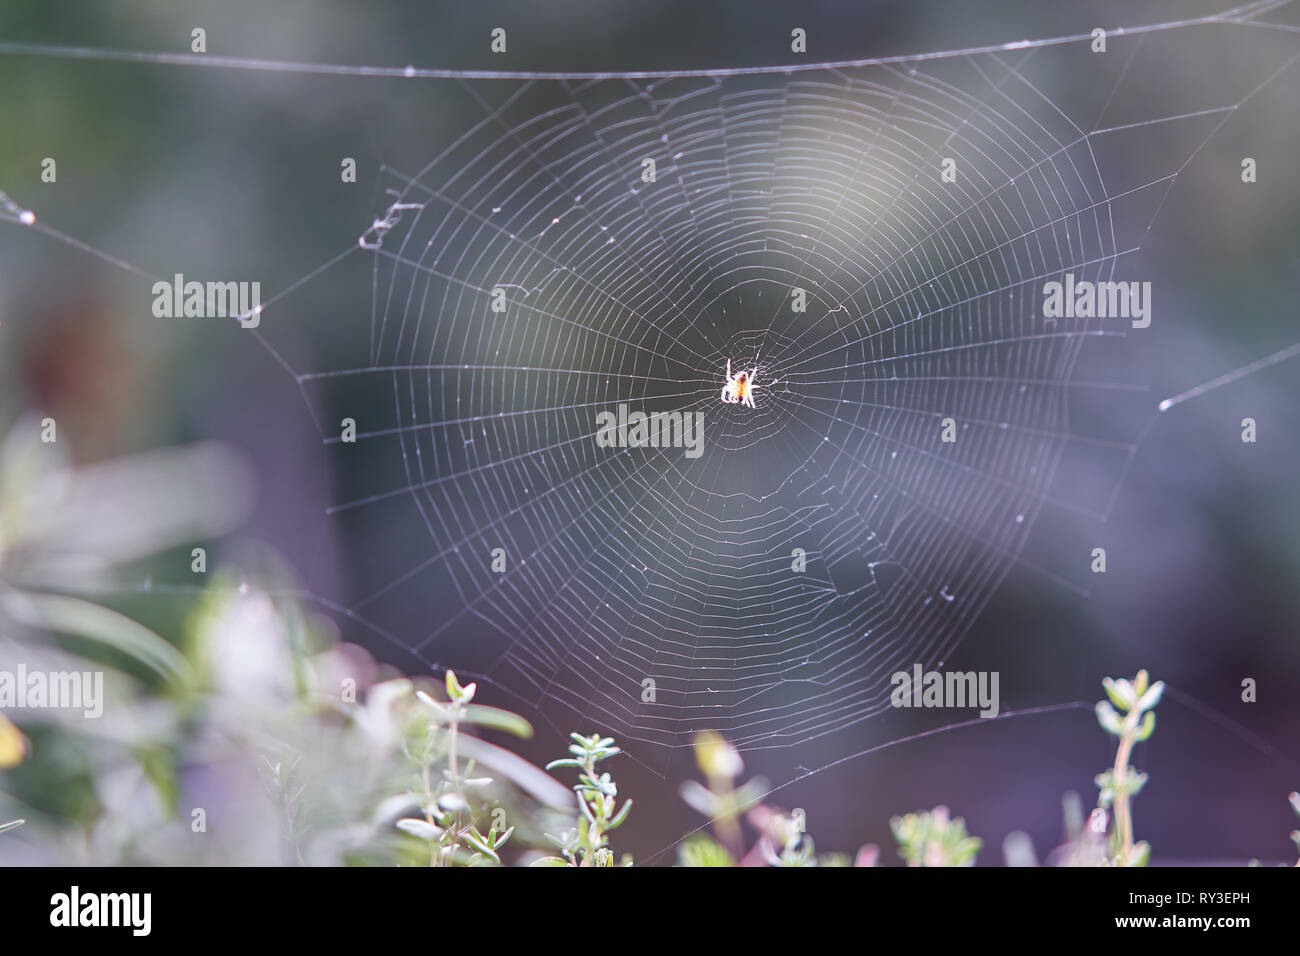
{"points": [[446, 789], [720, 801], [1132, 719], [700, 849], [933, 838], [781, 838], [587, 843]]}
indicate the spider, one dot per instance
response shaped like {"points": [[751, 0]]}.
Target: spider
{"points": [[740, 387]]}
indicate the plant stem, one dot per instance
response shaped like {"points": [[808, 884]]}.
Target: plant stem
{"points": [[428, 812], [451, 760], [1123, 822]]}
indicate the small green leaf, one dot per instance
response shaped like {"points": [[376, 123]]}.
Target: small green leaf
{"points": [[419, 828], [475, 840], [701, 798], [452, 802], [1135, 783], [457, 693], [1120, 692], [1109, 719], [620, 816], [1148, 726], [498, 719], [1152, 696]]}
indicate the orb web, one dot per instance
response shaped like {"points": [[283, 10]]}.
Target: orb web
{"points": [[593, 243], [606, 243]]}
